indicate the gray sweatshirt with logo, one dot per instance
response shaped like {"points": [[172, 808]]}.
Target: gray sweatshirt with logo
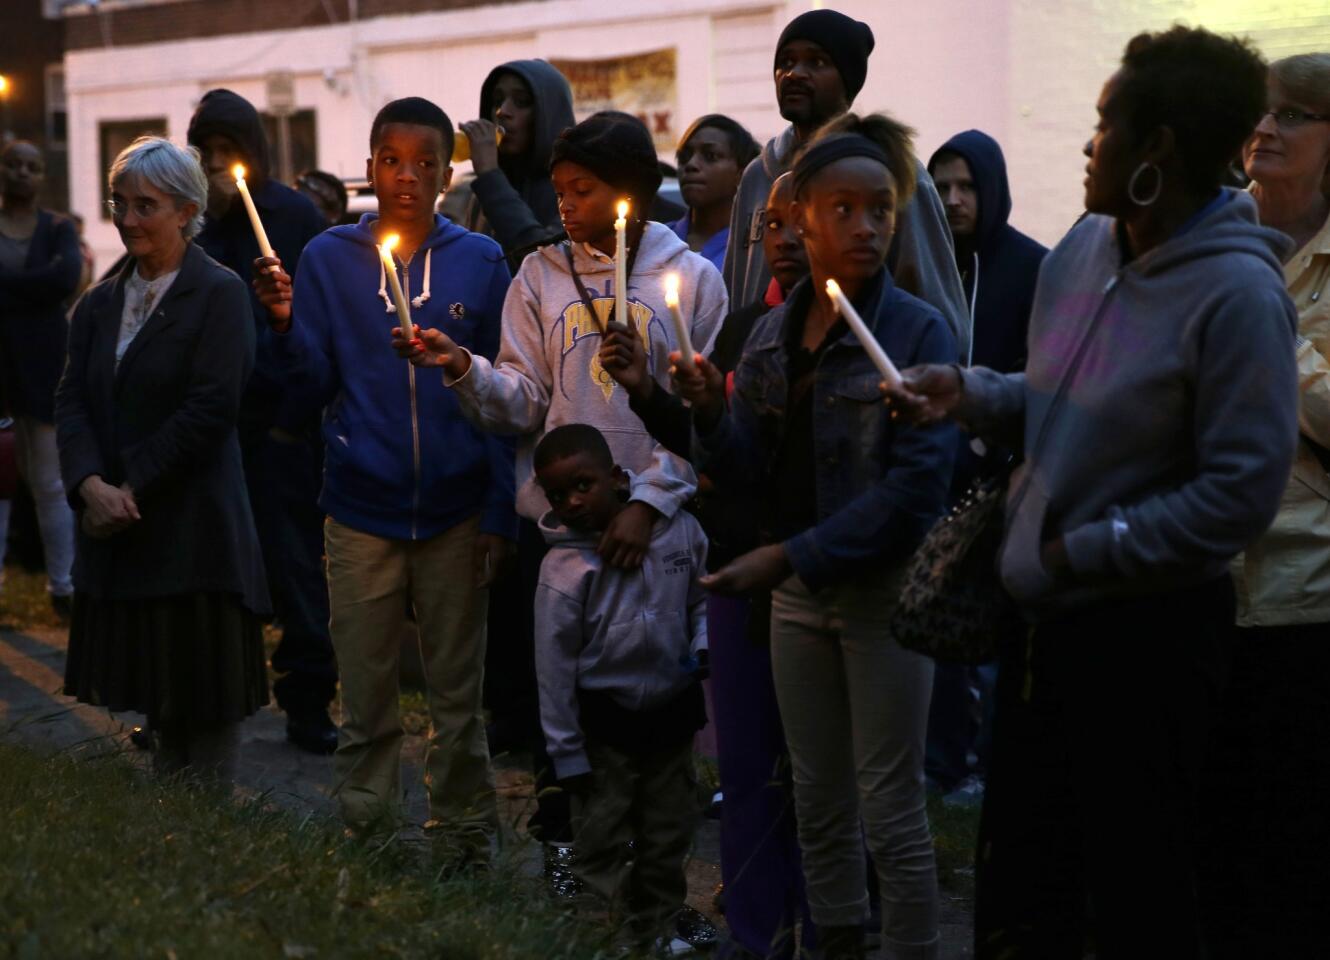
{"points": [[1158, 411], [627, 633]]}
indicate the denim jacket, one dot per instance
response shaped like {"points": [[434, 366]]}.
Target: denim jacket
{"points": [[880, 485]]}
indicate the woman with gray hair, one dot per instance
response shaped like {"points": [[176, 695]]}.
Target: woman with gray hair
{"points": [[1270, 879], [169, 583]]}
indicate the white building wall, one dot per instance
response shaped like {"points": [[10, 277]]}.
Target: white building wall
{"points": [[1026, 71]]}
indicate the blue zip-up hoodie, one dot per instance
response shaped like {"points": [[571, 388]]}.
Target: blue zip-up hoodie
{"points": [[402, 462]]}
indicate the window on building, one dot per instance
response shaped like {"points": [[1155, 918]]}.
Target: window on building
{"points": [[293, 139], [57, 117], [114, 136]]}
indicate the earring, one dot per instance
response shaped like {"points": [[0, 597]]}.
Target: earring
{"points": [[1132, 184]]}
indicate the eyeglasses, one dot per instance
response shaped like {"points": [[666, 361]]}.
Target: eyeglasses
{"points": [[1290, 118], [143, 209]]}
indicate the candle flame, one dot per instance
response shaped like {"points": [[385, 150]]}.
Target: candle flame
{"points": [[390, 241], [671, 290], [623, 209], [238, 171], [833, 288]]}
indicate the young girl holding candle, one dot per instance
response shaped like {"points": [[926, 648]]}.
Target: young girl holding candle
{"points": [[849, 496]]}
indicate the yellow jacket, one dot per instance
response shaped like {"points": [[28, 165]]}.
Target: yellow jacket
{"points": [[1284, 577]]}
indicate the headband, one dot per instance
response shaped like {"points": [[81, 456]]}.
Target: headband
{"points": [[833, 148]]}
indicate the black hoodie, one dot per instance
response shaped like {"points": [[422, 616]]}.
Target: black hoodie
{"points": [[1001, 265], [515, 203], [289, 219]]}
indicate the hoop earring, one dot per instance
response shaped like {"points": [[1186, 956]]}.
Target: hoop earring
{"points": [[1154, 195]]}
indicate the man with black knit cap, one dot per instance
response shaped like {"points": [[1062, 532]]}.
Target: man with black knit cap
{"points": [[820, 66], [279, 435]]}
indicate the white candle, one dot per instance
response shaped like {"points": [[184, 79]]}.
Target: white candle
{"points": [[399, 298], [264, 246], [680, 328], [621, 264], [890, 374]]}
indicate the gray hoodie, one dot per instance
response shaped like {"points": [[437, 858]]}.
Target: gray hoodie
{"points": [[626, 633], [1158, 410], [922, 259], [548, 370]]}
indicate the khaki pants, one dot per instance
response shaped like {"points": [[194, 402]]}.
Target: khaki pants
{"points": [[370, 580], [653, 802]]}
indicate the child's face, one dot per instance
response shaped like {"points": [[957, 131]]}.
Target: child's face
{"points": [[408, 171], [781, 244], [708, 171], [586, 203], [848, 216], [515, 110], [583, 493]]}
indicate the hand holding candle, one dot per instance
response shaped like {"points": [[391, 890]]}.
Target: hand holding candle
{"points": [[265, 247], [621, 264], [390, 269], [890, 375], [680, 328]]}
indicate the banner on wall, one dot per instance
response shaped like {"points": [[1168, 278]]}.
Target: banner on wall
{"points": [[642, 84]]}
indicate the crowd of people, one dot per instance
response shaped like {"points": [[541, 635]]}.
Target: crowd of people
{"points": [[633, 473]]}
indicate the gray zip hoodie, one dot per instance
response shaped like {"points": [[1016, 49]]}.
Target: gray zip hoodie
{"points": [[922, 259], [1159, 408], [626, 633], [548, 370]]}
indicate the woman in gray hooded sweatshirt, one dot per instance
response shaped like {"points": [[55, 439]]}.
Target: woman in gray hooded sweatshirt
{"points": [[1158, 415]]}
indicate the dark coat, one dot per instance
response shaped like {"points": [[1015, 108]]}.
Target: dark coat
{"points": [[290, 221], [165, 421], [32, 317]]}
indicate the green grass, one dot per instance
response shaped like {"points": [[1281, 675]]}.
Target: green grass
{"points": [[955, 832], [100, 862]]}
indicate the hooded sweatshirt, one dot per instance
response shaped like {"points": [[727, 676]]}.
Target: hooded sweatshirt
{"points": [[515, 203], [631, 635], [289, 219], [1158, 408], [921, 260], [1000, 268], [401, 460], [548, 372]]}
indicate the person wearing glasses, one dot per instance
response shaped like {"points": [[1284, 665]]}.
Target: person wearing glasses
{"points": [[1270, 882], [40, 265], [169, 580]]}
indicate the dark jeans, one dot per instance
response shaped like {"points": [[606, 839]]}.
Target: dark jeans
{"points": [[1102, 722], [759, 842], [1266, 850], [954, 727], [283, 480]]}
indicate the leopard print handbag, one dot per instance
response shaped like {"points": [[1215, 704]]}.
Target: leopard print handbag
{"points": [[953, 606]]}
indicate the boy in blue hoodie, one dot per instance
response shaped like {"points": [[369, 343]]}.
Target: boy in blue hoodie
{"points": [[617, 656], [419, 502]]}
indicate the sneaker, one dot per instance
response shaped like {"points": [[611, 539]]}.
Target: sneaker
{"points": [[694, 929], [563, 883], [672, 947], [968, 793]]}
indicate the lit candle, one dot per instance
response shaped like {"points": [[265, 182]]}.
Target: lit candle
{"points": [[621, 264], [680, 328], [399, 298], [264, 246], [890, 374]]}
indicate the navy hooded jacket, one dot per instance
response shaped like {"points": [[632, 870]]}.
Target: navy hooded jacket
{"points": [[289, 219], [1003, 263]]}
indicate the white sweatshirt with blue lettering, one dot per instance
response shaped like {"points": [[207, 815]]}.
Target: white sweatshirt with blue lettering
{"points": [[548, 370]]}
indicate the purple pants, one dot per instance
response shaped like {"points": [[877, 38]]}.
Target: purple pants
{"points": [[759, 844]]}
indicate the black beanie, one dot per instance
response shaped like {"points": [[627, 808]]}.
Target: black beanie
{"points": [[846, 41], [617, 148]]}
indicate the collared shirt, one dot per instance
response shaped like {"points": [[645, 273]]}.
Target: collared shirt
{"points": [[713, 249]]}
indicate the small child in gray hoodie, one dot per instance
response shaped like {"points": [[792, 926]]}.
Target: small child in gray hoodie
{"points": [[618, 659]]}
